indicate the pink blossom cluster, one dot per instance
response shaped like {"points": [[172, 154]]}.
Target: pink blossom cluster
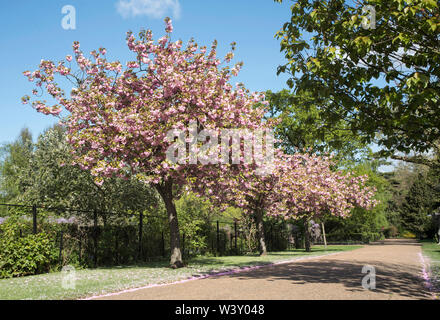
{"points": [[311, 188], [299, 186], [118, 119]]}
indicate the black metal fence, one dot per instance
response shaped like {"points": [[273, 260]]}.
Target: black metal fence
{"points": [[98, 238]]}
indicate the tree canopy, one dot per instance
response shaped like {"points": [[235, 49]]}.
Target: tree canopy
{"points": [[380, 77]]}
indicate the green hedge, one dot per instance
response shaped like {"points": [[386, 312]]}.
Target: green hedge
{"points": [[371, 236], [26, 255], [365, 237]]}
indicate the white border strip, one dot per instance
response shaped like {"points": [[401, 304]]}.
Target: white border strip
{"points": [[425, 276]]}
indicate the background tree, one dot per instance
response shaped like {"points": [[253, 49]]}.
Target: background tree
{"points": [[382, 81], [400, 180], [301, 126], [15, 167], [196, 216], [418, 208], [43, 175]]}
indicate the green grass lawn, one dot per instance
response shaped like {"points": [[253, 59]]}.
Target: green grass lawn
{"points": [[91, 282], [431, 250]]}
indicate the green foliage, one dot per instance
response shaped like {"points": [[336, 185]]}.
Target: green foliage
{"points": [[400, 181], [15, 167], [408, 235], [277, 234], [26, 255], [363, 225], [371, 236], [42, 174], [377, 79], [57, 183], [391, 232], [415, 196], [195, 216], [301, 126], [417, 209], [249, 231]]}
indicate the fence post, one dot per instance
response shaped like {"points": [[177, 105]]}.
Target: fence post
{"points": [[183, 245], [218, 238], [80, 246], [271, 238], [61, 247], [117, 246], [163, 245], [235, 231], [141, 217], [230, 239], [270, 245], [95, 238], [225, 242], [34, 219]]}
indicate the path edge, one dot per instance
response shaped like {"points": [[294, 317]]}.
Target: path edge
{"points": [[426, 275]]}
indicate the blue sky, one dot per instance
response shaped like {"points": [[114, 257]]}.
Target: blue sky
{"points": [[32, 30]]}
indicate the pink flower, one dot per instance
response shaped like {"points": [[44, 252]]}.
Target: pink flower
{"points": [[169, 25]]}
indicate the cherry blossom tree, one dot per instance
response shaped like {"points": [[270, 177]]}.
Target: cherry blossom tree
{"points": [[244, 186], [119, 117], [299, 186], [312, 189]]}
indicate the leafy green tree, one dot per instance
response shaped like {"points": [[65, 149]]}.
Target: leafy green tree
{"points": [[300, 126], [195, 216], [381, 78], [400, 180], [15, 166], [42, 174], [418, 207]]}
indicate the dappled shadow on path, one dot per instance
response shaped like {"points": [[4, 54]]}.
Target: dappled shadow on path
{"points": [[390, 278]]}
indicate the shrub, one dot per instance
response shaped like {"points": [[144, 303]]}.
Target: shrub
{"points": [[370, 236], [391, 232], [27, 255], [195, 223], [408, 234]]}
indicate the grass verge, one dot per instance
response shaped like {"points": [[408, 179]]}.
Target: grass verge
{"points": [[89, 282], [431, 250]]}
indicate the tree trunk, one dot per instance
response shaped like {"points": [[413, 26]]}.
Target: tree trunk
{"points": [[307, 235], [323, 234], [437, 216], [297, 240], [260, 231], [438, 233], [165, 191], [298, 237]]}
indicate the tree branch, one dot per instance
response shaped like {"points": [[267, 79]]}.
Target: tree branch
{"points": [[414, 159]]}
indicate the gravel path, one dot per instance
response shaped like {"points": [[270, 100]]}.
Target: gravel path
{"points": [[398, 276]]}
